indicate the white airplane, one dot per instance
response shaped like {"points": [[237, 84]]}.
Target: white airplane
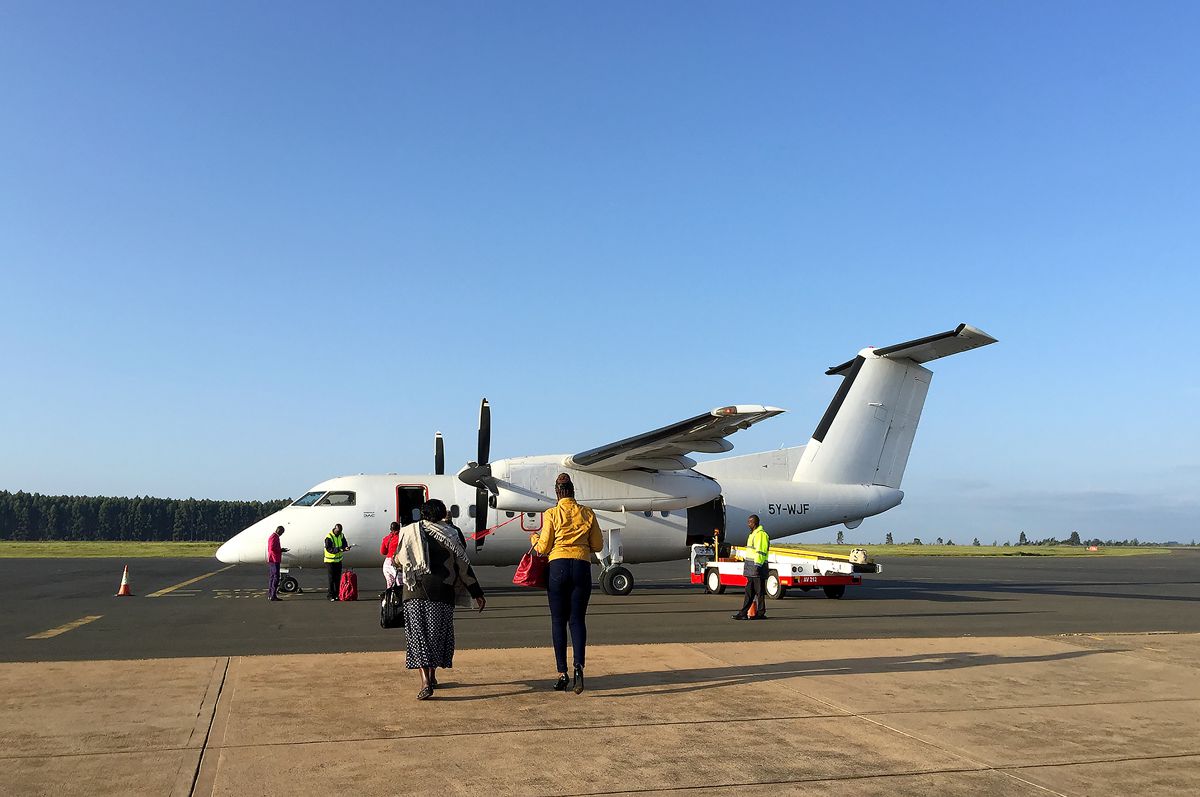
{"points": [[651, 499]]}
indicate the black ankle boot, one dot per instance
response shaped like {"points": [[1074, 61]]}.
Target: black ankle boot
{"points": [[562, 683], [578, 687]]}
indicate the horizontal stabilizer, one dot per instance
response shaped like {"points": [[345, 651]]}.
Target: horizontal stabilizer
{"points": [[962, 338]]}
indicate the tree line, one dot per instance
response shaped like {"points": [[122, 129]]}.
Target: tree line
{"points": [[33, 516]]}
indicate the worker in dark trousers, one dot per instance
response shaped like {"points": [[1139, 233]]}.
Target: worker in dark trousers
{"points": [[755, 570], [335, 546]]}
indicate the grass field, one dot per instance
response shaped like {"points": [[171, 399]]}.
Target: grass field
{"points": [[884, 551], [122, 550]]}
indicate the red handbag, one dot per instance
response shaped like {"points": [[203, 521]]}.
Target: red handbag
{"points": [[531, 572]]}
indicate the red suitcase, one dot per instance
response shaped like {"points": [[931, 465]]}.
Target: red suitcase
{"points": [[348, 589]]}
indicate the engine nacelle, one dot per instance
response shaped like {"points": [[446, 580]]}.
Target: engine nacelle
{"points": [[526, 484]]}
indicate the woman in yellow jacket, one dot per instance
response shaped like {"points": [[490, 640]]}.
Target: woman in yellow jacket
{"points": [[570, 535]]}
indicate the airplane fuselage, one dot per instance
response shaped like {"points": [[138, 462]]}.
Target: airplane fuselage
{"points": [[785, 508]]}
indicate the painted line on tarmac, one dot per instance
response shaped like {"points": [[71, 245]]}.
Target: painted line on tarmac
{"points": [[190, 581], [62, 629]]}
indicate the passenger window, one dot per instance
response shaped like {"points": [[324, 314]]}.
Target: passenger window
{"points": [[337, 499], [471, 511], [308, 499], [454, 510], [510, 514]]}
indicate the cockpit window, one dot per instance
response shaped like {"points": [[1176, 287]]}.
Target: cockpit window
{"points": [[308, 499], [337, 499]]}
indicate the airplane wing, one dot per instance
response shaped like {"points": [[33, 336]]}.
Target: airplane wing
{"points": [[666, 448]]}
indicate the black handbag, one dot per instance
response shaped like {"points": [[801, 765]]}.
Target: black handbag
{"points": [[391, 608]]}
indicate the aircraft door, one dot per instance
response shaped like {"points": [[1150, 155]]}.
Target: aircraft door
{"points": [[408, 502], [704, 519], [531, 521]]}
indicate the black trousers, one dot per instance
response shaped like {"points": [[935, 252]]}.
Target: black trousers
{"points": [[335, 578], [569, 587], [756, 590]]}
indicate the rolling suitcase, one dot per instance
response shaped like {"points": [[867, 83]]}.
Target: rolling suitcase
{"points": [[348, 589]]}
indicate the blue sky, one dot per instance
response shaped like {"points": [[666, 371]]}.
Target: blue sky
{"points": [[236, 240]]}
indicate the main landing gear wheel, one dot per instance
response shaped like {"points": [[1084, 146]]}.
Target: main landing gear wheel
{"points": [[775, 590], [835, 591], [616, 581], [288, 585], [712, 583]]}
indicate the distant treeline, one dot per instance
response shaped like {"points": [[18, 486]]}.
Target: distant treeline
{"points": [[32, 516]]}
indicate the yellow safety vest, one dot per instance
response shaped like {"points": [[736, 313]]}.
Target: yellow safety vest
{"points": [[761, 544], [339, 542]]}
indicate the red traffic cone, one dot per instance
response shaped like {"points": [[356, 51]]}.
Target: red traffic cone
{"points": [[124, 590]]}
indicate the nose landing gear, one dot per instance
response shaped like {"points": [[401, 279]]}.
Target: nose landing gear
{"points": [[288, 583]]}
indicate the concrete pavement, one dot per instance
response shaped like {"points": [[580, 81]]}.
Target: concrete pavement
{"points": [[1005, 715]]}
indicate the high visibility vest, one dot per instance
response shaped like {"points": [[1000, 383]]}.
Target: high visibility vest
{"points": [[339, 542], [761, 544]]}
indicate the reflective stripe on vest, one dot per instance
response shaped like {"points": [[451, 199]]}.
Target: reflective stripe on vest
{"points": [[339, 542]]}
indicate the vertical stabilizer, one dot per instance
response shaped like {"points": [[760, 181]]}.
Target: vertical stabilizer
{"points": [[867, 432]]}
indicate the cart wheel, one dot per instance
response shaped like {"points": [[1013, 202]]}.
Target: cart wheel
{"points": [[835, 591], [288, 585], [774, 588], [620, 581], [712, 583]]}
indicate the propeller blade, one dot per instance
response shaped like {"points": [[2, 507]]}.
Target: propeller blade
{"points": [[481, 513], [485, 432], [439, 455]]}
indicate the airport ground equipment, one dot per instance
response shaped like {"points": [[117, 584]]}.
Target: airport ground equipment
{"points": [[787, 568]]}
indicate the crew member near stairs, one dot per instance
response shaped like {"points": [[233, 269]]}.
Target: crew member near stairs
{"points": [[335, 546], [756, 570]]}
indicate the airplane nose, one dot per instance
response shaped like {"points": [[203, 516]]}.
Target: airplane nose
{"points": [[228, 552]]}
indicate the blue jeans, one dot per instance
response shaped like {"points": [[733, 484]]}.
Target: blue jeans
{"points": [[569, 588]]}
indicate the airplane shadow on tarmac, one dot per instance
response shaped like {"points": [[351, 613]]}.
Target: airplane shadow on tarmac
{"points": [[669, 682]]}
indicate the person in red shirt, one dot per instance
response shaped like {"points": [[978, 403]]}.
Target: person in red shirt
{"points": [[387, 549], [275, 553]]}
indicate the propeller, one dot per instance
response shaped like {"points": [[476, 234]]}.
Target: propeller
{"points": [[439, 454], [479, 473]]}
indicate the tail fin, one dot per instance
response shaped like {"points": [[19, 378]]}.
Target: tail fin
{"points": [[866, 434]]}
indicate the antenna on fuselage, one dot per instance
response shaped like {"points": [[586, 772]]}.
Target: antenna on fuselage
{"points": [[439, 454]]}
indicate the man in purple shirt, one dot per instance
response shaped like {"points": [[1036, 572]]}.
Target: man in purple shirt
{"points": [[274, 556]]}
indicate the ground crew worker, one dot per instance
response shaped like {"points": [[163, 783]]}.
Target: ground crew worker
{"points": [[335, 546], [756, 570], [275, 553]]}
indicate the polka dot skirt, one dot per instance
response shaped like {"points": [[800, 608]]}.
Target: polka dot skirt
{"points": [[429, 626]]}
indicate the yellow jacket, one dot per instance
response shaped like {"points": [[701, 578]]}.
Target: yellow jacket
{"points": [[569, 531]]}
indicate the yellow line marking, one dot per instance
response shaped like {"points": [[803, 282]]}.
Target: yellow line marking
{"points": [[164, 591], [62, 629]]}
